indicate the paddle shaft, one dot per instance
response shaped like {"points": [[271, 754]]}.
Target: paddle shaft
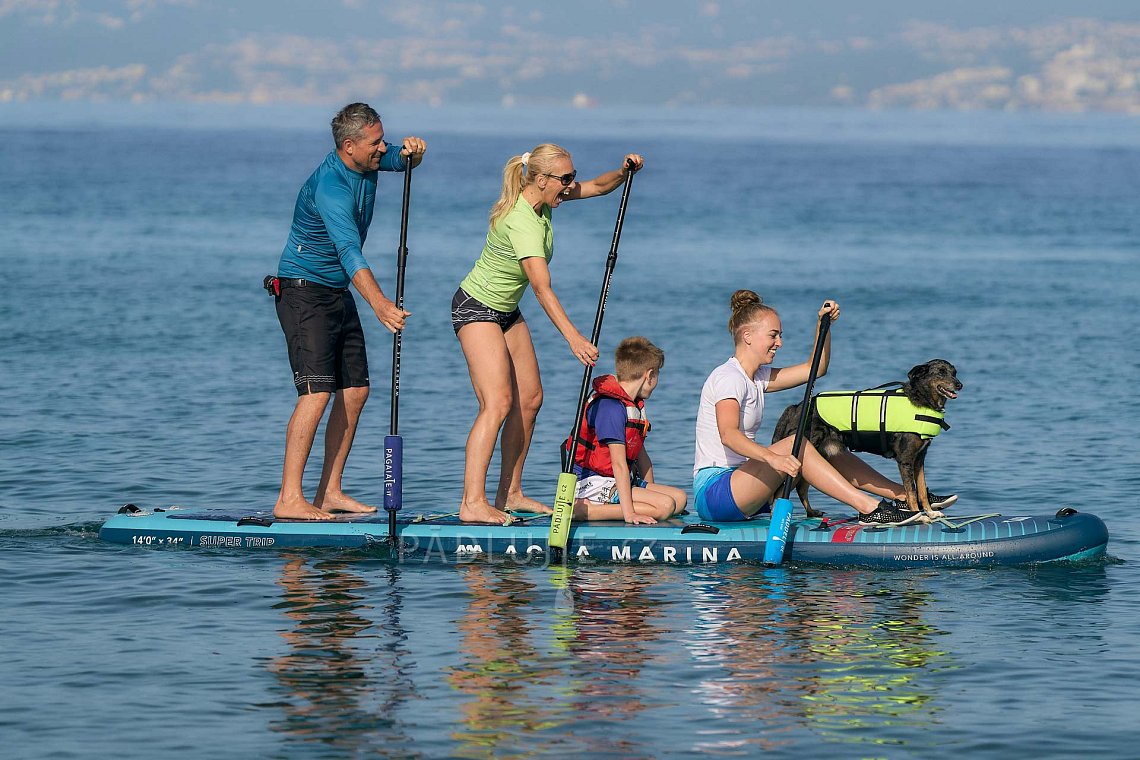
{"points": [[777, 539], [805, 407], [567, 482], [393, 443], [596, 334], [401, 265]]}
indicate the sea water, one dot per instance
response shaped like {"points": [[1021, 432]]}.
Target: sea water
{"points": [[143, 363]]}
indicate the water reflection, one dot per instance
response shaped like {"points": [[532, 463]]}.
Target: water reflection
{"points": [[605, 619], [344, 673], [835, 653], [870, 648], [499, 663], [553, 660]]}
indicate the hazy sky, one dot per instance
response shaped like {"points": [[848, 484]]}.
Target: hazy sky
{"points": [[877, 53]]}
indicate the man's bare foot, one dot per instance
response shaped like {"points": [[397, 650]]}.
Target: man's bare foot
{"points": [[522, 503], [342, 503], [483, 513], [298, 510]]}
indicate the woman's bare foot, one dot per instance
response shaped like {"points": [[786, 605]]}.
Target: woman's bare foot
{"points": [[343, 503], [483, 513], [298, 509], [522, 503]]}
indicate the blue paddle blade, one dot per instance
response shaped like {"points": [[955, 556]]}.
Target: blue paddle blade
{"points": [[393, 472], [778, 532]]}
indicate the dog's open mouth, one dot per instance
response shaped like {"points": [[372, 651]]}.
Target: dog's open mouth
{"points": [[946, 391]]}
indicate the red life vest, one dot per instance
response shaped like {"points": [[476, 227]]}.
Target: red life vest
{"points": [[589, 453]]}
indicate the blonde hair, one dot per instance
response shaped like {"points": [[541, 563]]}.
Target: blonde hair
{"points": [[747, 308], [517, 175], [634, 356]]}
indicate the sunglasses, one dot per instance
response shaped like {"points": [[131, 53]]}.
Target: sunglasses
{"points": [[565, 179]]}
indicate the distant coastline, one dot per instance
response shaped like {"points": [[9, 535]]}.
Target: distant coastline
{"points": [[778, 124]]}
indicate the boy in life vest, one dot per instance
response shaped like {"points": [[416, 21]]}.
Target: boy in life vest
{"points": [[615, 474]]}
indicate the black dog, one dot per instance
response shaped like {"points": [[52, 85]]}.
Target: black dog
{"points": [[928, 387]]}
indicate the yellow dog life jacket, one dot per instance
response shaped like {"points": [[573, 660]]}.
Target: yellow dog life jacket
{"points": [[865, 417]]}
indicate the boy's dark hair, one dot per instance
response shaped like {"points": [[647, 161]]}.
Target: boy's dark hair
{"points": [[636, 355]]}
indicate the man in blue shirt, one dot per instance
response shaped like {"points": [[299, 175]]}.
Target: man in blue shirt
{"points": [[318, 313]]}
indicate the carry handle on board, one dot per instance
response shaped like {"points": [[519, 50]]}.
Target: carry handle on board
{"points": [[568, 481], [782, 506], [393, 443]]}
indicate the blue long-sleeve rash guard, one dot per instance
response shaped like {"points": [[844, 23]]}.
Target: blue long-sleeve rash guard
{"points": [[330, 221]]}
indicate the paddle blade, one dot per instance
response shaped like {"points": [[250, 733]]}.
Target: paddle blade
{"points": [[393, 472], [563, 509], [778, 531]]}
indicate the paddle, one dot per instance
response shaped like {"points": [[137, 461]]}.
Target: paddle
{"points": [[393, 443], [782, 507], [568, 481]]}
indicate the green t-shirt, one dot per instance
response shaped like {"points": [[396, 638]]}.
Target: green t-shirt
{"points": [[497, 279]]}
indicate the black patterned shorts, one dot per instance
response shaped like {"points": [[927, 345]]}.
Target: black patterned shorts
{"points": [[466, 308]]}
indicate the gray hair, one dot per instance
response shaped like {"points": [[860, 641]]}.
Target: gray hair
{"points": [[351, 120]]}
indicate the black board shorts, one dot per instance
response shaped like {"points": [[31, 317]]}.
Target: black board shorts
{"points": [[325, 339], [466, 308]]}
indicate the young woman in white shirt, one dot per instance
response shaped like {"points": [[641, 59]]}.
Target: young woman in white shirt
{"points": [[733, 475]]}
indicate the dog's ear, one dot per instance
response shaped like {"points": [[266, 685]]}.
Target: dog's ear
{"points": [[918, 372]]}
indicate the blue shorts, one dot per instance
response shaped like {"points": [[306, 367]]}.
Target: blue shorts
{"points": [[712, 494]]}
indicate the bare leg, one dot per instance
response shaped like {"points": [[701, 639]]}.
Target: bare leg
{"points": [[339, 434], [291, 502], [519, 424], [488, 362], [754, 482], [679, 497], [865, 477], [655, 504]]}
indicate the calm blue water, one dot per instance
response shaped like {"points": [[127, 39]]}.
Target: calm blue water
{"points": [[142, 362]]}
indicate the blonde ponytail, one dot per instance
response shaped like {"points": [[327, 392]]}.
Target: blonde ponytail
{"points": [[517, 175]]}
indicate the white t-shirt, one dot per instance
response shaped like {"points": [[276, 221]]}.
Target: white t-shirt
{"points": [[728, 381]]}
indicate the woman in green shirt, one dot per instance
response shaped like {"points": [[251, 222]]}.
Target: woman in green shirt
{"points": [[492, 332]]}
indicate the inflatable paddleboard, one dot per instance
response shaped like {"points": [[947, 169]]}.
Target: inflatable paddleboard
{"points": [[956, 541]]}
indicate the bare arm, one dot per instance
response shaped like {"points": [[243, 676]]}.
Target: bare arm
{"points": [[391, 316], [727, 424], [783, 378], [606, 183], [539, 275], [645, 465]]}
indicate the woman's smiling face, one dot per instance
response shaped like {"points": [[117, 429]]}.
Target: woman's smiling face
{"points": [[764, 336]]}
